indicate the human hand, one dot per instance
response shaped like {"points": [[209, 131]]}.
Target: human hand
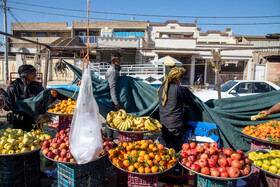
{"points": [[54, 93], [265, 113], [117, 107]]}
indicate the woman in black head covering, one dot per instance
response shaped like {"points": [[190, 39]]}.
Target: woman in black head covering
{"points": [[22, 88]]}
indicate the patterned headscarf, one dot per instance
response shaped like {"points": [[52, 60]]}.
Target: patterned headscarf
{"points": [[174, 73]]}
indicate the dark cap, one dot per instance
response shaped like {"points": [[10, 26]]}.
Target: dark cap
{"points": [[25, 69]]}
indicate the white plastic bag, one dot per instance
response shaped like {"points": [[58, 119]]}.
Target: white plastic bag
{"points": [[85, 132]]}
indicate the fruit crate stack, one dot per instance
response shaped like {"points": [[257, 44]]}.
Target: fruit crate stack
{"points": [[90, 174], [22, 170]]}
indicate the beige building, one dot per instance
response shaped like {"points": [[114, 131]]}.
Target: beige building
{"points": [[144, 43]]}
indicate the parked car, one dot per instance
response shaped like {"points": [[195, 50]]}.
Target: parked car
{"points": [[237, 88]]}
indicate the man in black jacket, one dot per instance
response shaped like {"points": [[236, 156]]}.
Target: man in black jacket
{"points": [[171, 97], [22, 88]]}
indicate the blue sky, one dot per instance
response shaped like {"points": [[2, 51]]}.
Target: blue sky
{"points": [[198, 8]]}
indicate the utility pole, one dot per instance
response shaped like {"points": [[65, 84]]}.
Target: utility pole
{"points": [[217, 61], [6, 42]]}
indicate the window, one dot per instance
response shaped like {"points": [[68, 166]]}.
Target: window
{"points": [[244, 87], [261, 87], [54, 35], [25, 34], [41, 35]]}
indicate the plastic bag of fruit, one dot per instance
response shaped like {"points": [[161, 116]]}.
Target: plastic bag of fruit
{"points": [[85, 134]]}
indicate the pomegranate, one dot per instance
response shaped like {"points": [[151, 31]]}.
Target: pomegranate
{"points": [[224, 174], [212, 163], [233, 172], [223, 162], [195, 167], [188, 164], [212, 151], [215, 173], [222, 155], [229, 161], [241, 153], [235, 156], [194, 152], [199, 148], [192, 145], [184, 161], [202, 162], [205, 171], [236, 164], [247, 161], [214, 145], [184, 154], [204, 156], [206, 145], [221, 169], [228, 151], [186, 146], [215, 157]]}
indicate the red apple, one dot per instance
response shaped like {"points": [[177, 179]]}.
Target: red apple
{"points": [[54, 140], [202, 163], [60, 159], [214, 145], [57, 136], [199, 148], [111, 144], [46, 143], [50, 154], [228, 151], [60, 141], [67, 130], [195, 167], [212, 163], [55, 146], [204, 156], [63, 153], [56, 157], [105, 144], [65, 139], [65, 159], [195, 162], [62, 136], [186, 146], [192, 145], [205, 171], [223, 162], [62, 146], [233, 172], [67, 143], [68, 155], [62, 132], [72, 160], [224, 174], [45, 151], [247, 161]]}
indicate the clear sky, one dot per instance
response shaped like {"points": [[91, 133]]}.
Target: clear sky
{"points": [[142, 10]]}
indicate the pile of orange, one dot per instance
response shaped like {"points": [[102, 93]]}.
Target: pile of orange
{"points": [[268, 131], [64, 107], [143, 156]]}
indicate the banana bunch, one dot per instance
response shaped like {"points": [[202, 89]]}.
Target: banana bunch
{"points": [[120, 120]]}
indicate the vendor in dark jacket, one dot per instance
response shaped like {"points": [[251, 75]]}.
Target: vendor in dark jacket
{"points": [[171, 97], [22, 88]]}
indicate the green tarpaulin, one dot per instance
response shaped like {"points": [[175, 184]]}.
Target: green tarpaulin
{"points": [[140, 99]]}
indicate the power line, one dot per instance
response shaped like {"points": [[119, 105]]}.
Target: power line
{"points": [[65, 15], [149, 15], [49, 13], [16, 19]]}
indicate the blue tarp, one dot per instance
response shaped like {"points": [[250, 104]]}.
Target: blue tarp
{"points": [[127, 34]]}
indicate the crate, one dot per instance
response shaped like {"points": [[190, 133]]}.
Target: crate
{"points": [[64, 122], [130, 137], [204, 182], [140, 180], [22, 170], [271, 181], [90, 174]]}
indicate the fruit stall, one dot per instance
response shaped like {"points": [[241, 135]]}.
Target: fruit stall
{"points": [[264, 154]]}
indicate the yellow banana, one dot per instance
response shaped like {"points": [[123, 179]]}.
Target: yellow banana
{"points": [[109, 117], [117, 121]]}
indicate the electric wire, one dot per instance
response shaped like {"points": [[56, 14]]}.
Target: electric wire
{"points": [[16, 19], [148, 15]]}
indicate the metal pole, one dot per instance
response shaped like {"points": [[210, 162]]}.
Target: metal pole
{"points": [[46, 68], [6, 42]]}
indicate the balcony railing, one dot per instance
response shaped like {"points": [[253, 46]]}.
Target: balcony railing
{"points": [[83, 39]]}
